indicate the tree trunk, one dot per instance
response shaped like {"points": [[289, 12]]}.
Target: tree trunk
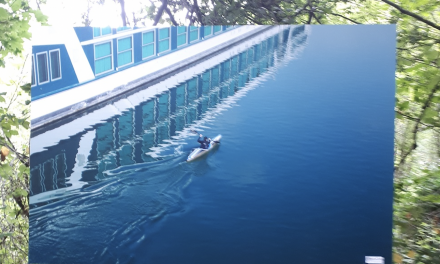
{"points": [[123, 15]]}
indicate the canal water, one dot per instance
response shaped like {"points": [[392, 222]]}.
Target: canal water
{"points": [[303, 174]]}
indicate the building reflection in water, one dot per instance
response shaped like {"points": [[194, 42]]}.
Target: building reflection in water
{"points": [[130, 137]]}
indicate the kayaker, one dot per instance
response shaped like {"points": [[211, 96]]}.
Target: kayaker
{"points": [[204, 143]]}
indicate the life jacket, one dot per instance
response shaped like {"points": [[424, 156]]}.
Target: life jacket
{"points": [[203, 144]]}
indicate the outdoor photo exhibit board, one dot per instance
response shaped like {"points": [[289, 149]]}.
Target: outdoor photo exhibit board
{"points": [[303, 172]]}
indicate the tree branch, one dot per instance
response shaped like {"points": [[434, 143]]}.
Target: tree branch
{"points": [[349, 19], [159, 12], [198, 12], [251, 19], [123, 15], [406, 12], [310, 12], [416, 127], [316, 18], [416, 119], [171, 16], [23, 158]]}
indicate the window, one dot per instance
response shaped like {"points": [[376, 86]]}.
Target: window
{"points": [[97, 32], [125, 51], [122, 28], [33, 82], [147, 44], [181, 36], [193, 33], [103, 58], [208, 30], [43, 70], [229, 27], [55, 65], [217, 29], [164, 39]]}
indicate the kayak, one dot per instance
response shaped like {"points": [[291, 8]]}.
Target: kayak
{"points": [[199, 152]]}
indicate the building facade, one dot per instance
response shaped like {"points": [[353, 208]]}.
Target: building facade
{"points": [[107, 51]]}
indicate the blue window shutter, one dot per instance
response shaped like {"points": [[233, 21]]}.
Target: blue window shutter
{"points": [[193, 34], [33, 72], [103, 57], [124, 58], [217, 29], [106, 31], [124, 44], [123, 28], [43, 75], [96, 32], [103, 65], [164, 45], [181, 30], [181, 39], [124, 51], [55, 64], [164, 33], [181, 36], [147, 50], [102, 50], [147, 37], [208, 30], [147, 44]]}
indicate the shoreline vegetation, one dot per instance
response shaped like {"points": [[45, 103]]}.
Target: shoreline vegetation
{"points": [[416, 230]]}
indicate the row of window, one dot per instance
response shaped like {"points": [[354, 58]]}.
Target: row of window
{"points": [[104, 51], [99, 32], [46, 68]]}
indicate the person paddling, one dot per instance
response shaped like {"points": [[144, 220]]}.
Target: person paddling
{"points": [[204, 143]]}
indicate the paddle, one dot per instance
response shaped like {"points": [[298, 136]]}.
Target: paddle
{"points": [[194, 131]]}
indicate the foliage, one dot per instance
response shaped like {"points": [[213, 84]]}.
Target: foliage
{"points": [[15, 18], [14, 172], [417, 218]]}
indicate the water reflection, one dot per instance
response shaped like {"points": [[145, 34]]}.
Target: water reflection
{"points": [[132, 130]]}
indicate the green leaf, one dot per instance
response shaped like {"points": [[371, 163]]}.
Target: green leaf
{"points": [[432, 54], [16, 5], [431, 198], [429, 113], [26, 87], [433, 81], [4, 14], [2, 235], [22, 168], [5, 171], [25, 124], [39, 16], [20, 192], [2, 99], [403, 106], [6, 126]]}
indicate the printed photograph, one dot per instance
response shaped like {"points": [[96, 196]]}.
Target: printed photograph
{"points": [[212, 144]]}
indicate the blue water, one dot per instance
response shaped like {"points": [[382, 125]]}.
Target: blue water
{"points": [[304, 173]]}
